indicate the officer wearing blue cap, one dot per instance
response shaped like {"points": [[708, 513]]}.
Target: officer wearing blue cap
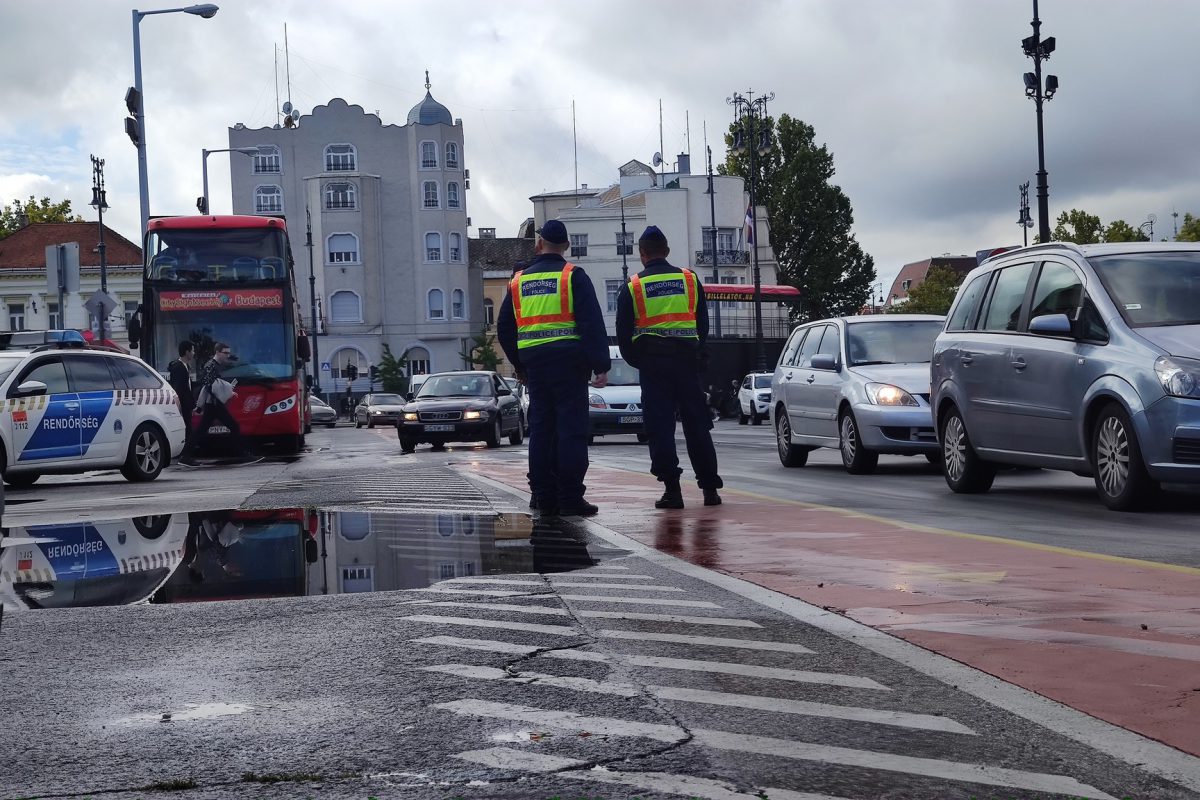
{"points": [[552, 331], [662, 325]]}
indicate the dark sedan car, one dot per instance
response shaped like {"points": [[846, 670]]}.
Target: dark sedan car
{"points": [[461, 407], [378, 409]]}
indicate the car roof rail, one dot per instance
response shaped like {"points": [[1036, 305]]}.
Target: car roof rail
{"points": [[1006, 251]]}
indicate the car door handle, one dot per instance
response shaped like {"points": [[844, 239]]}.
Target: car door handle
{"points": [[1018, 363], [70, 405], [788, 376], [811, 378], [968, 359]]}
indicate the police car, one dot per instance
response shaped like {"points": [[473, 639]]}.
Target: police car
{"points": [[71, 408]]}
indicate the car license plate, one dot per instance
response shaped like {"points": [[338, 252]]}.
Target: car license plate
{"points": [[632, 419], [438, 428]]}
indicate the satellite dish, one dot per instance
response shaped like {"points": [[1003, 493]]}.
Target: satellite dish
{"points": [[658, 159], [287, 106], [295, 115]]}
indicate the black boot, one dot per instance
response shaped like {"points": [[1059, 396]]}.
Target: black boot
{"points": [[672, 495], [711, 498]]}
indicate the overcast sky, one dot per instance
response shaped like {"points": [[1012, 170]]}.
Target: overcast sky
{"points": [[920, 101]]}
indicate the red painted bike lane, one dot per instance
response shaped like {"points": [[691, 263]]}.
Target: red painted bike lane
{"points": [[1114, 637]]}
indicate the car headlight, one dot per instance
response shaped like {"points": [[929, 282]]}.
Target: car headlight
{"points": [[596, 401], [411, 416], [377, 412], [472, 414], [764, 397], [1180, 377], [884, 394]]}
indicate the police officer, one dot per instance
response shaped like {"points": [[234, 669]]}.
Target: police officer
{"points": [[552, 331], [662, 324]]}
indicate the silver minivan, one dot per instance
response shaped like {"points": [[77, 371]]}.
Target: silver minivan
{"points": [[1081, 358]]}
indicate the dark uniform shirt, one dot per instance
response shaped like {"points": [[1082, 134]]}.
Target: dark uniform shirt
{"points": [[592, 348], [181, 382], [651, 345]]}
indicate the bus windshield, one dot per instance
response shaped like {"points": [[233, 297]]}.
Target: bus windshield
{"points": [[206, 255], [251, 321]]}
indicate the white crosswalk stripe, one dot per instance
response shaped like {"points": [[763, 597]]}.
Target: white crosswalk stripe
{"points": [[657, 662], [667, 783], [553, 630], [506, 582], [982, 774], [649, 601], [593, 614], [900, 719], [705, 641]]}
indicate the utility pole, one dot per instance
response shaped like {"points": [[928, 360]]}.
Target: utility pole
{"points": [[100, 202], [625, 248], [312, 294], [1039, 50]]}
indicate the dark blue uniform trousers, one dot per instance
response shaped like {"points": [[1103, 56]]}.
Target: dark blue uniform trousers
{"points": [[668, 386], [558, 431]]}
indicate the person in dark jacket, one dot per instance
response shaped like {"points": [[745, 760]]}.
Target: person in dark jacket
{"points": [[662, 326], [180, 378], [552, 331]]}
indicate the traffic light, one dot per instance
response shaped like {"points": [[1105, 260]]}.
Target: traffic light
{"points": [[352, 372], [133, 102]]}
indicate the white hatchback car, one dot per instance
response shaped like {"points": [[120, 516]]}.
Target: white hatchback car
{"points": [[67, 408], [754, 398]]}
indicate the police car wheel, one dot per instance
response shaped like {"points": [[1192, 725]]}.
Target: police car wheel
{"points": [[153, 526], [148, 454], [21, 479]]}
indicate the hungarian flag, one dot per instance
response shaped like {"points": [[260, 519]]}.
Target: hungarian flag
{"points": [[749, 227]]}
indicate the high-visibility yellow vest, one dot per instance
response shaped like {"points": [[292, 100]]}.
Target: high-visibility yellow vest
{"points": [[544, 305], [665, 305]]}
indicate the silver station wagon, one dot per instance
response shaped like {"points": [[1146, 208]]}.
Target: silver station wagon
{"points": [[860, 384], [1081, 358]]}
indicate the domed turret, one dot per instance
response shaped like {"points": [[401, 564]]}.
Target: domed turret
{"points": [[429, 111]]}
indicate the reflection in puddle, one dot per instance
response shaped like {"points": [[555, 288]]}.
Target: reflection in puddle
{"points": [[289, 552], [190, 712]]}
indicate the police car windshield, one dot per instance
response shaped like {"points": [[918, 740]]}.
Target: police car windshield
{"points": [[214, 255], [621, 374], [9, 362], [258, 339]]}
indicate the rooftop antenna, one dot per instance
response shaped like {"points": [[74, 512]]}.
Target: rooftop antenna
{"points": [[428, 85], [575, 144], [287, 59], [661, 148], [687, 126], [291, 115], [277, 85]]}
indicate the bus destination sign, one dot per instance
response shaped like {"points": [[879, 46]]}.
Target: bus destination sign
{"points": [[214, 300]]}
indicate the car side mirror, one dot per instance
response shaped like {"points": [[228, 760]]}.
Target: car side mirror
{"points": [[503, 392], [409, 396], [308, 381], [31, 389], [824, 361], [1052, 325], [303, 349]]}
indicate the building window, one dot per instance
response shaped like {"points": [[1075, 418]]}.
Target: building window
{"points": [[451, 155], [358, 579], [54, 318], [340, 158], [268, 200], [437, 304], [344, 358], [578, 245], [612, 289], [418, 361], [433, 247], [455, 247], [345, 306], [458, 304], [340, 196], [428, 155], [16, 316], [342, 248], [489, 312], [452, 195], [730, 278], [906, 284], [266, 160], [625, 243], [430, 190]]}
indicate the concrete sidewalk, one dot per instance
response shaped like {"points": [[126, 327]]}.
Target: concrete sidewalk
{"points": [[1116, 638]]}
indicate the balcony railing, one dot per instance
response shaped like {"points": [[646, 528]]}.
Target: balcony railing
{"points": [[724, 257]]}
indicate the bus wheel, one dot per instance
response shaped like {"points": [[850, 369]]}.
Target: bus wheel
{"points": [[291, 444], [147, 454]]}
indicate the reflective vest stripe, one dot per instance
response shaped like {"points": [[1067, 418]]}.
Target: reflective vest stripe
{"points": [[565, 314], [639, 299]]}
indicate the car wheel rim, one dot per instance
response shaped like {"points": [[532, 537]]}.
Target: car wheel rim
{"points": [[954, 449], [783, 436], [1112, 456], [148, 452], [849, 439]]}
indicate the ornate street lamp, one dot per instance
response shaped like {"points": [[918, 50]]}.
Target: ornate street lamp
{"points": [[753, 136], [1039, 50]]}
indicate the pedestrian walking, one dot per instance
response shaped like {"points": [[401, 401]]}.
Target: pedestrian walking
{"points": [[180, 378], [215, 394], [662, 326], [552, 331]]}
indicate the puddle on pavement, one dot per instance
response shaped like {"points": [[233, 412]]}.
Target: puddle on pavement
{"points": [[285, 552], [190, 712]]}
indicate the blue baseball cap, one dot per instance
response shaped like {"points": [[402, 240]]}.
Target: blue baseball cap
{"points": [[652, 234], [554, 232]]}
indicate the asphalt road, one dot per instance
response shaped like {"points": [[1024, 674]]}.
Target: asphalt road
{"points": [[493, 674]]}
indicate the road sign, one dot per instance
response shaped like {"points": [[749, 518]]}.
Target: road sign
{"points": [[325, 366], [62, 267], [100, 305]]}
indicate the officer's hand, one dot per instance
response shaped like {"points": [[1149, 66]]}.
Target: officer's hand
{"points": [[600, 381]]}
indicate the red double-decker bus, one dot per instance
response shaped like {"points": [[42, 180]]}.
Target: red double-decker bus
{"points": [[230, 279]]}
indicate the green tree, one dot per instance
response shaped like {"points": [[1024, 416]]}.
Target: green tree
{"points": [[34, 211], [1077, 226], [1121, 231], [1189, 231], [809, 219], [482, 351], [932, 295], [391, 371]]}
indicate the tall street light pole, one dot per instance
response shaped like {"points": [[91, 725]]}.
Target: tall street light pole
{"points": [[100, 202], [136, 103], [1039, 50], [202, 201], [712, 213], [625, 246], [753, 135], [312, 293]]}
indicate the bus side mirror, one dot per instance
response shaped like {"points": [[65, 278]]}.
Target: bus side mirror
{"points": [[303, 348], [308, 381]]}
